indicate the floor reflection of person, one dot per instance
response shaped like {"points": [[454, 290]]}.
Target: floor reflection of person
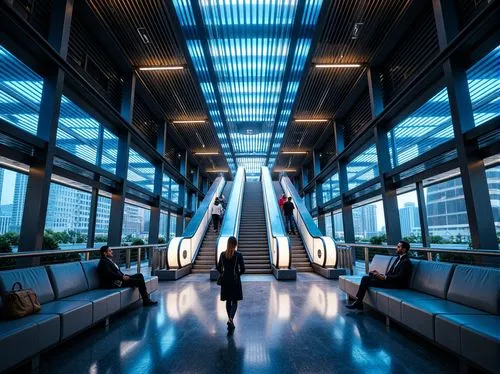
{"points": [[231, 266]]}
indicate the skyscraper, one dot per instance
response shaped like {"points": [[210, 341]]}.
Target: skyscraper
{"points": [[365, 221], [408, 216], [18, 202]]}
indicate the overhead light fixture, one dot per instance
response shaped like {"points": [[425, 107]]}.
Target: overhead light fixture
{"points": [[193, 121], [157, 68], [294, 152], [206, 153], [143, 35], [217, 171], [327, 66], [285, 170], [311, 120], [356, 30]]}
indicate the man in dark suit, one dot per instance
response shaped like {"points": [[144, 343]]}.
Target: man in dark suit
{"points": [[398, 275], [111, 276]]}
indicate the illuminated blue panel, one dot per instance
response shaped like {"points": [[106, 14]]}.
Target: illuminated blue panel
{"points": [[251, 164], [331, 188], [249, 43], [109, 151], [363, 167], [425, 129], [484, 87], [78, 132], [140, 171], [20, 93]]}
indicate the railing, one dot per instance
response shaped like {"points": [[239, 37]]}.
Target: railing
{"points": [[182, 250], [280, 251], [132, 254], [320, 249], [232, 216], [427, 253]]}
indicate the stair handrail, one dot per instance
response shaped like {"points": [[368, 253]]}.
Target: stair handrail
{"points": [[232, 216], [182, 250], [321, 249], [280, 250]]}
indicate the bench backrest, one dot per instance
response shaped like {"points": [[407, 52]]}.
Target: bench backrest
{"points": [[432, 278], [67, 279], [90, 270], [380, 263], [35, 278], [476, 287]]}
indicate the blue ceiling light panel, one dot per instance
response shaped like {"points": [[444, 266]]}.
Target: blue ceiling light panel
{"points": [[249, 56]]}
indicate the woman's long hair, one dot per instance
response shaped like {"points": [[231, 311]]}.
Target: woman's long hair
{"points": [[231, 247]]}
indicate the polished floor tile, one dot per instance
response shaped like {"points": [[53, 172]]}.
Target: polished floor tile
{"points": [[281, 327]]}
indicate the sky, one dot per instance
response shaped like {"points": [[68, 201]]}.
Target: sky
{"points": [[7, 192]]}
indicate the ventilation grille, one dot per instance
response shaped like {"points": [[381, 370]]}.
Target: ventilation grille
{"points": [[357, 117], [89, 57], [415, 50]]}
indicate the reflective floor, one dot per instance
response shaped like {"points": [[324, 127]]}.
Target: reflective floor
{"points": [[292, 327]]}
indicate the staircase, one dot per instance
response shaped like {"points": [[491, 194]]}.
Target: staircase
{"points": [[206, 256], [300, 261], [252, 241]]}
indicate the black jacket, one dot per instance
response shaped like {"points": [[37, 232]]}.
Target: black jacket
{"points": [[399, 276], [288, 208], [231, 269], [108, 273]]}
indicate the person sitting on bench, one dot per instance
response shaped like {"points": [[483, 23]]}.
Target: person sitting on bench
{"points": [[111, 276], [398, 275]]}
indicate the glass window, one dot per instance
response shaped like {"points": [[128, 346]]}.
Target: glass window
{"points": [[174, 192], [363, 167], [493, 176], [165, 192], [109, 151], [68, 214], [408, 217], [484, 87], [20, 93], [77, 132], [140, 171], [164, 225], [369, 223], [313, 199], [135, 223], [12, 196], [426, 128], [331, 188], [328, 225], [173, 225], [446, 214], [338, 227], [102, 220]]}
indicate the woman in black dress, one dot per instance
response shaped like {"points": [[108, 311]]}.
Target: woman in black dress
{"points": [[231, 266]]}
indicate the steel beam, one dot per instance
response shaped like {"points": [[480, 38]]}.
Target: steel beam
{"points": [[60, 26], [422, 215], [93, 217], [347, 219]]}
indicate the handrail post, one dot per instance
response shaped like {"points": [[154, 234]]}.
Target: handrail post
{"points": [[139, 259], [87, 256], [127, 258], [367, 260], [429, 256]]}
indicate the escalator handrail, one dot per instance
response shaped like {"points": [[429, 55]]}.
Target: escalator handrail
{"points": [[197, 227], [311, 228], [276, 227], [232, 216]]}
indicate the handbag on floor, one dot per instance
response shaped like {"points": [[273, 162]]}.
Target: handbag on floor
{"points": [[20, 303]]}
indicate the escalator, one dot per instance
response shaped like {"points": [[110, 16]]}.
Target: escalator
{"points": [[205, 259], [300, 260]]}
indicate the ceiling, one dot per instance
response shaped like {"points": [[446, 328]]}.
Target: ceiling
{"points": [[269, 52]]}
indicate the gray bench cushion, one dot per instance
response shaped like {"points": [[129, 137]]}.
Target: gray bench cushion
{"points": [[389, 300], [75, 315], [29, 335], [104, 302], [67, 279], [35, 278], [418, 314], [90, 271], [432, 278], [352, 282], [128, 295], [151, 283], [476, 337], [476, 287]]}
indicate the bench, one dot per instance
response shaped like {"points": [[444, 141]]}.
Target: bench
{"points": [[71, 302], [455, 306]]}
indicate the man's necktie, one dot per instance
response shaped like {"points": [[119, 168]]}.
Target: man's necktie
{"points": [[394, 265]]}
